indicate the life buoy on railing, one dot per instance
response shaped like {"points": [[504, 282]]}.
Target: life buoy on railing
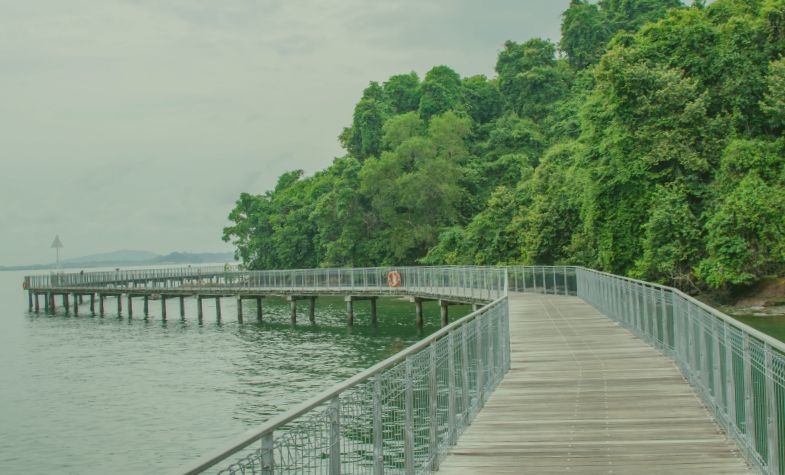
{"points": [[24, 285], [394, 279]]}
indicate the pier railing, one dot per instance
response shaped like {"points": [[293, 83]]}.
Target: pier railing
{"points": [[400, 416], [470, 282], [736, 370]]}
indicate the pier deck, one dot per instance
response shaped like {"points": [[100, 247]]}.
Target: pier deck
{"points": [[586, 396]]}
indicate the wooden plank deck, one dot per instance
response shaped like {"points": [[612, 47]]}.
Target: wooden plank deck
{"points": [[586, 396]]}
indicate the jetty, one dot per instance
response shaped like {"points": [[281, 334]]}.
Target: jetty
{"points": [[558, 369]]}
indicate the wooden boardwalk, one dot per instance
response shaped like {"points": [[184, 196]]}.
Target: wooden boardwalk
{"points": [[586, 396]]}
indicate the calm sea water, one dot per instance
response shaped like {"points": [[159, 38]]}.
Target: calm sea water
{"points": [[93, 396]]}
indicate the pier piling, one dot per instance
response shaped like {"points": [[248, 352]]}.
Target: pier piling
{"points": [[239, 309], [349, 311], [259, 309]]}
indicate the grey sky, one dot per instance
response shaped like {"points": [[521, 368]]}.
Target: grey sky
{"points": [[135, 124]]}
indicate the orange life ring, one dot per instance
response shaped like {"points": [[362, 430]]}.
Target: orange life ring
{"points": [[24, 285], [394, 279]]}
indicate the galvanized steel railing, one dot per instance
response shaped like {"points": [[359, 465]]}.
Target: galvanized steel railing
{"points": [[400, 416], [477, 283], [101, 278], [737, 370]]}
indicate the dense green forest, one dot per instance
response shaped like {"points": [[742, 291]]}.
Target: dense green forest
{"points": [[650, 141]]}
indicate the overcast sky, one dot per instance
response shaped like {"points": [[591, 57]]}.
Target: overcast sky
{"points": [[135, 124]]}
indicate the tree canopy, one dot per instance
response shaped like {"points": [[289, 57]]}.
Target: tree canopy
{"points": [[650, 141]]}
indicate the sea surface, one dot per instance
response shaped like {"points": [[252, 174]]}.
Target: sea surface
{"points": [[85, 395]]}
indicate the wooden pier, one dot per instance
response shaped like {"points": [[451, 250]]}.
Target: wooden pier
{"points": [[219, 285], [584, 395]]}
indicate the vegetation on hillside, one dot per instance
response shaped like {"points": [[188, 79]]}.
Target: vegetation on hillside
{"points": [[649, 142]]}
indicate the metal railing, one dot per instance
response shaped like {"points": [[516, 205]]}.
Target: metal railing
{"points": [[95, 279], [555, 280], [400, 416], [476, 283], [736, 370]]}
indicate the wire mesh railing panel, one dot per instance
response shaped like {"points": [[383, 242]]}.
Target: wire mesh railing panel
{"points": [[736, 370], [400, 416]]}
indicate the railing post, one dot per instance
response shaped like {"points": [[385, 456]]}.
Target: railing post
{"points": [[772, 412], [480, 364], [465, 385], [730, 380], [715, 359], [335, 436], [408, 442], [378, 442], [749, 409], [268, 458], [452, 427], [433, 446]]}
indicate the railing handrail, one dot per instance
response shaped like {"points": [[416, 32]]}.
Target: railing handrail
{"points": [[279, 420], [195, 271], [773, 342]]}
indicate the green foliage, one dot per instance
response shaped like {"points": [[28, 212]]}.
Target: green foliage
{"points": [[746, 235], [483, 101], [773, 103], [403, 92], [672, 238], [439, 92], [653, 148], [585, 31]]}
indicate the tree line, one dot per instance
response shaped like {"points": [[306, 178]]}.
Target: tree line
{"points": [[650, 141]]}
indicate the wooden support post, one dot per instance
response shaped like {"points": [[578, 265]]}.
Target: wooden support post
{"points": [[120, 305], [81, 300], [92, 303], [374, 317], [218, 309], [37, 304], [76, 305], [47, 301], [66, 303], [163, 307], [30, 299], [293, 309], [259, 309], [182, 308], [130, 307], [239, 309], [101, 304], [312, 309], [146, 306], [444, 312], [349, 310], [418, 312], [199, 309]]}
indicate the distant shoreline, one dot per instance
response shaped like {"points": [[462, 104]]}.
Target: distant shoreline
{"points": [[175, 258]]}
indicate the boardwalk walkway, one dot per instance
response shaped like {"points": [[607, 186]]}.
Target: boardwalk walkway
{"points": [[586, 396]]}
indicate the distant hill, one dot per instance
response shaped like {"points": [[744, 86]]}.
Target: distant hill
{"points": [[116, 256], [131, 258]]}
